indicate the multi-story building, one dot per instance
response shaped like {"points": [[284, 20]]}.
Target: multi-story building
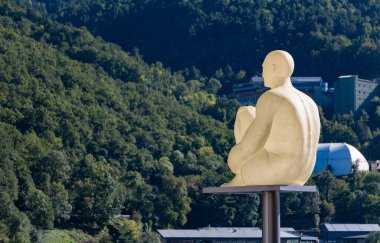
{"points": [[352, 93], [249, 93]]}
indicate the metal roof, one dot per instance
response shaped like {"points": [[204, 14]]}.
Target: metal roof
{"points": [[218, 233], [352, 227], [341, 157], [308, 237], [348, 76], [288, 229], [359, 79], [356, 237]]}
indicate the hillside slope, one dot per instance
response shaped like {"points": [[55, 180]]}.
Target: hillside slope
{"points": [[327, 38], [89, 132]]}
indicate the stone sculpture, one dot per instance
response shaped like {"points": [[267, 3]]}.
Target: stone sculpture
{"points": [[276, 142]]}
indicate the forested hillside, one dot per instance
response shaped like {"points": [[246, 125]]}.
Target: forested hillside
{"points": [[327, 38], [90, 132]]}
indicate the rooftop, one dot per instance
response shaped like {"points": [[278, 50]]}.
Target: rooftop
{"points": [[352, 227], [360, 79], [219, 232]]}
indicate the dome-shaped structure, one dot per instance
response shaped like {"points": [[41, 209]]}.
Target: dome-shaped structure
{"points": [[340, 157]]}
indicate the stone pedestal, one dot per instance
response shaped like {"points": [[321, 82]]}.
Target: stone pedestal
{"points": [[270, 204]]}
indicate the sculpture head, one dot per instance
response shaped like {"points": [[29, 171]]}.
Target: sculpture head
{"points": [[278, 66]]}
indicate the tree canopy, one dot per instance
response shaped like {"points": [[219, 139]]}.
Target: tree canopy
{"points": [[327, 38], [95, 138]]}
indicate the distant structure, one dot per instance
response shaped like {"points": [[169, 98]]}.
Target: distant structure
{"points": [[347, 232], [249, 93], [340, 158], [225, 235], [352, 93]]}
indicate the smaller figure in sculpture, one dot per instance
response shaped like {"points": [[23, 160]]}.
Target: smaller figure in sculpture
{"points": [[276, 142]]}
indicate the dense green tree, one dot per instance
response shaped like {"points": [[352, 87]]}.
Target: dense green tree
{"points": [[333, 131], [173, 203], [327, 211], [373, 237], [39, 209], [60, 202], [326, 38], [362, 129], [373, 149], [96, 199], [125, 230], [89, 132]]}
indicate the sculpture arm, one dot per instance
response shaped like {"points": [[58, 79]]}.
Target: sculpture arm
{"points": [[245, 116], [257, 132]]}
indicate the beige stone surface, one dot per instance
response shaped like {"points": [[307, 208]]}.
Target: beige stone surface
{"points": [[276, 142]]}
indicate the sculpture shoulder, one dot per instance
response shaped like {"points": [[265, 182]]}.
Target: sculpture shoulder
{"points": [[270, 96], [268, 106], [308, 100], [292, 96]]}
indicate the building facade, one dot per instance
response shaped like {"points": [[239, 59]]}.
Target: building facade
{"points": [[347, 233], [249, 93], [353, 94], [350, 93]]}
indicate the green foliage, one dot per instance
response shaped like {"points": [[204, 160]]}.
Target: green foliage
{"points": [[39, 209], [150, 236], [66, 236], [173, 204], [373, 149], [125, 230], [60, 202], [89, 131], [373, 237], [20, 227], [349, 199], [96, 199], [334, 131], [352, 198], [336, 37]]}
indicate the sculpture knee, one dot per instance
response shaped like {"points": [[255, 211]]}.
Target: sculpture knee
{"points": [[244, 118]]}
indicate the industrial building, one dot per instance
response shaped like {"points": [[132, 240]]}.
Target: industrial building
{"points": [[228, 235], [350, 93], [353, 94], [249, 93], [339, 158], [347, 233]]}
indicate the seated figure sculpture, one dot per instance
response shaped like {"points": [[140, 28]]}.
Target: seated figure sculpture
{"points": [[276, 142]]}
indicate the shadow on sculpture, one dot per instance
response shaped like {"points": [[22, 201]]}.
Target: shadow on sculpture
{"points": [[276, 142]]}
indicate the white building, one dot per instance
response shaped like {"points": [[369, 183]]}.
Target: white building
{"points": [[340, 158], [228, 235]]}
